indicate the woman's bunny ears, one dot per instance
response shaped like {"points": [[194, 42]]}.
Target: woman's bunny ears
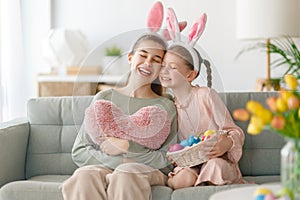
{"points": [[194, 35], [155, 19]]}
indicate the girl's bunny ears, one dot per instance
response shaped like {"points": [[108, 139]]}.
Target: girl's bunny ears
{"points": [[155, 19], [194, 35]]}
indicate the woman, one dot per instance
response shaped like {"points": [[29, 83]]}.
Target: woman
{"points": [[118, 168]]}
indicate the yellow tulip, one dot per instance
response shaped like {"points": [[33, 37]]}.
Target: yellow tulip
{"points": [[291, 81], [265, 115], [253, 130], [254, 106], [281, 105], [299, 112], [257, 121], [285, 95]]}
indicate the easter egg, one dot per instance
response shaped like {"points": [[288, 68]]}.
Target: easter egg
{"points": [[209, 132], [263, 191], [184, 143], [175, 147], [260, 197], [196, 140], [270, 197], [190, 140]]}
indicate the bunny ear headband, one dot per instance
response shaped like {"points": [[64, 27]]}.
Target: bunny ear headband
{"points": [[194, 35], [155, 19]]}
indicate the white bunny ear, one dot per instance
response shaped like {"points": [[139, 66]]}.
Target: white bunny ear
{"points": [[197, 29], [172, 25], [155, 17], [166, 32]]}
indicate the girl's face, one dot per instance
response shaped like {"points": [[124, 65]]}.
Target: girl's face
{"points": [[175, 71], [146, 61]]}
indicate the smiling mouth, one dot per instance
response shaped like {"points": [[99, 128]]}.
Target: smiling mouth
{"points": [[165, 79], [144, 71]]}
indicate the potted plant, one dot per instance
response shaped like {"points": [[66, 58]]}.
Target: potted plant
{"points": [[287, 52], [112, 62], [113, 51]]}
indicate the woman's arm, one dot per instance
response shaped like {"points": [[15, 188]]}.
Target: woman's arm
{"points": [[86, 152], [155, 158]]}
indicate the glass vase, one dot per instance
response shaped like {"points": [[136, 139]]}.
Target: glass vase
{"points": [[290, 167]]}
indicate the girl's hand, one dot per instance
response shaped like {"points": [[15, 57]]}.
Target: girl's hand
{"points": [[114, 146], [217, 148]]}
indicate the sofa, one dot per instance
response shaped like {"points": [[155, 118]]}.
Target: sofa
{"points": [[35, 152]]}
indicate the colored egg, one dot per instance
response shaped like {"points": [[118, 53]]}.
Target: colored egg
{"points": [[175, 147], [260, 197], [262, 191], [184, 143], [270, 197], [191, 140]]}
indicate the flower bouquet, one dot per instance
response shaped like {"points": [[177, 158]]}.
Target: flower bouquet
{"points": [[283, 117]]}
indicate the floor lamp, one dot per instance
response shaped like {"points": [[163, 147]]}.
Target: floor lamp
{"points": [[264, 20]]}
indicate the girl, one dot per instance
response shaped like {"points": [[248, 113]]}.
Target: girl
{"points": [[200, 109], [119, 168]]}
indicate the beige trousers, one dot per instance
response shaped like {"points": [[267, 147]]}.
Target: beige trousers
{"points": [[127, 182]]}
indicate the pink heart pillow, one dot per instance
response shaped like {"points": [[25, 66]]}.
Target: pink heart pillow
{"points": [[149, 126]]}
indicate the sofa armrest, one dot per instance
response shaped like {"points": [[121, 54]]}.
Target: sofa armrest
{"points": [[13, 146]]}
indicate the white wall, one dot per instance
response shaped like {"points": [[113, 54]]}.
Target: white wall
{"points": [[100, 20]]}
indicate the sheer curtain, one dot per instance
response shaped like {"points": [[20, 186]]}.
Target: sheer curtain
{"points": [[12, 61]]}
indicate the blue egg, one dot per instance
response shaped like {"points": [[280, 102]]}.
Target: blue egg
{"points": [[184, 143], [191, 140], [196, 139], [260, 197]]}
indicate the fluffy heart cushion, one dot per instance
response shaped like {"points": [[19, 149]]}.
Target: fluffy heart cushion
{"points": [[149, 126]]}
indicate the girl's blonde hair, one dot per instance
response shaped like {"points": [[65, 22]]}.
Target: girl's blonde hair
{"points": [[187, 57]]}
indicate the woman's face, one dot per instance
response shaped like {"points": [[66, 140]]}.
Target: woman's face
{"points": [[174, 72], [146, 61]]}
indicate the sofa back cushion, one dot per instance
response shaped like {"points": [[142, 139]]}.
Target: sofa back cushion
{"points": [[54, 124], [55, 121], [261, 153]]}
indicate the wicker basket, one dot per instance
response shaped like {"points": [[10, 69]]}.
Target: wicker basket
{"points": [[191, 156]]}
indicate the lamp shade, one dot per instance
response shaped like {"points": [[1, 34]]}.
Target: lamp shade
{"points": [[261, 19]]}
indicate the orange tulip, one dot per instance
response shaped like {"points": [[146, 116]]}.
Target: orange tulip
{"points": [[278, 122], [241, 114], [271, 102], [293, 102]]}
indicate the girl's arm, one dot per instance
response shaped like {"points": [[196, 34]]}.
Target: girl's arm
{"points": [[224, 121]]}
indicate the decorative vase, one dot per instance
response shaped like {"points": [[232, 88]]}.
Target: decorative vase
{"points": [[290, 167]]}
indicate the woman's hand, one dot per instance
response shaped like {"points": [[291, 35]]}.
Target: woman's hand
{"points": [[114, 146], [217, 148]]}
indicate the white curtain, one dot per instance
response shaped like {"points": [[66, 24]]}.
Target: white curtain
{"points": [[12, 63]]}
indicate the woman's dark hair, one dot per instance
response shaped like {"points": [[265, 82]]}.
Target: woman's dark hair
{"points": [[155, 85], [187, 57]]}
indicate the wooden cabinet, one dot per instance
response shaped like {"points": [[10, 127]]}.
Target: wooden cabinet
{"points": [[76, 85]]}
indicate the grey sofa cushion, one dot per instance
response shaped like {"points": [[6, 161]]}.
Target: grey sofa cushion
{"points": [[54, 124], [261, 153]]}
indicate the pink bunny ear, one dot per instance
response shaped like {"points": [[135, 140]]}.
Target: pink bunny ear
{"points": [[197, 29], [155, 17], [182, 26], [172, 24]]}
